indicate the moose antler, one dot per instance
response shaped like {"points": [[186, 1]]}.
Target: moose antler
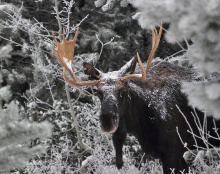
{"points": [[155, 42], [65, 54]]}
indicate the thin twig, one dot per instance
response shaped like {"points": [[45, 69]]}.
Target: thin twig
{"points": [[58, 19], [74, 119], [188, 125], [103, 44], [183, 142]]}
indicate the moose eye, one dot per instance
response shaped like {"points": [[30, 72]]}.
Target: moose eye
{"points": [[121, 92]]}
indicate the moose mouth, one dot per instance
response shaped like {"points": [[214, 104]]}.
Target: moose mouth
{"points": [[109, 125]]}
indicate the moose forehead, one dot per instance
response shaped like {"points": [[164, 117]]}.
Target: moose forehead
{"points": [[110, 76], [110, 82]]}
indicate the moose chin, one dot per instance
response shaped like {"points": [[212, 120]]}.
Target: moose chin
{"points": [[149, 105]]}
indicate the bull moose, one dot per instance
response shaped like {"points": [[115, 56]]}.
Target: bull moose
{"points": [[149, 105]]}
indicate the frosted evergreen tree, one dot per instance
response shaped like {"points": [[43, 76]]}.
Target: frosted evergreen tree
{"points": [[5, 93], [16, 132], [14, 153]]}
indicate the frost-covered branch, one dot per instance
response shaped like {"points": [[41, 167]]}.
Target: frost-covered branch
{"points": [[102, 46], [201, 154]]}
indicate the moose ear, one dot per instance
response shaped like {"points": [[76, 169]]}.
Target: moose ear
{"points": [[91, 71], [129, 67]]}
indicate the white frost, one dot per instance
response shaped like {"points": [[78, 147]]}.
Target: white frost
{"points": [[68, 63], [110, 75], [86, 161]]}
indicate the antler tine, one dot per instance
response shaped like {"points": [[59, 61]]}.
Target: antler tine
{"points": [[155, 42], [55, 39], [142, 67], [154, 35], [65, 54]]}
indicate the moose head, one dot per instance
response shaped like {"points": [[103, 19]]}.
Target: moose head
{"points": [[112, 86]]}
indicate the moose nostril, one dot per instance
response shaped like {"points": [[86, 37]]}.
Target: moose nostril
{"points": [[108, 122], [109, 130]]}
